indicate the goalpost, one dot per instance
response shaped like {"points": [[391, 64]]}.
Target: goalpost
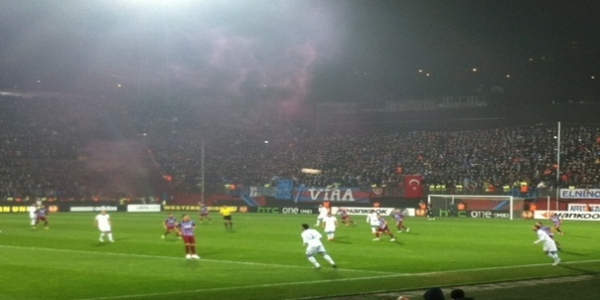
{"points": [[476, 206]]}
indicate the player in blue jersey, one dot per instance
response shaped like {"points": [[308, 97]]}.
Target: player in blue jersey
{"points": [[399, 218], [556, 222], [41, 216], [169, 224], [186, 230], [383, 228]]}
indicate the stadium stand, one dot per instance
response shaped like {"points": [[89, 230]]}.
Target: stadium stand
{"points": [[69, 149]]}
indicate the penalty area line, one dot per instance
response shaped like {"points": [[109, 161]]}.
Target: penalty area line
{"points": [[248, 263]]}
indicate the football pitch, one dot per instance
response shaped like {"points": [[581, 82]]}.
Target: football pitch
{"points": [[263, 257]]}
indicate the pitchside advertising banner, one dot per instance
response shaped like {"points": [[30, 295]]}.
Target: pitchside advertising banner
{"points": [[584, 207], [24, 208], [197, 208], [93, 208], [60, 207], [474, 214], [143, 207], [580, 194], [568, 215], [363, 211]]}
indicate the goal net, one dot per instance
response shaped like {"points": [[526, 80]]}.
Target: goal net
{"points": [[476, 206]]}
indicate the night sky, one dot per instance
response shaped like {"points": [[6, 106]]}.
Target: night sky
{"points": [[303, 51]]}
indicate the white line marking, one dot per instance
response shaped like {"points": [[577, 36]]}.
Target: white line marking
{"points": [[323, 281], [242, 287], [181, 258], [387, 275], [505, 267]]}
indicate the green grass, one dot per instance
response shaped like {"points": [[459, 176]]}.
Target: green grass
{"points": [[264, 258]]}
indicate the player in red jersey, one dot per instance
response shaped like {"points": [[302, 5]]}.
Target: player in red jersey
{"points": [[345, 216], [204, 213], [556, 222], [169, 225], [399, 218], [186, 230], [383, 228], [41, 216]]}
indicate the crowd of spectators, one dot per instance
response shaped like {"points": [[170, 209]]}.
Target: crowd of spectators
{"points": [[58, 148], [253, 153]]}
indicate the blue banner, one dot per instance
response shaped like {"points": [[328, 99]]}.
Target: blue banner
{"points": [[320, 194], [284, 189]]}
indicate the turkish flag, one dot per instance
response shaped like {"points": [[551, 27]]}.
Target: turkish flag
{"points": [[413, 187]]}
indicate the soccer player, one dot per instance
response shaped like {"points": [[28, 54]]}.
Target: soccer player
{"points": [[373, 221], [549, 244], [330, 223], [186, 230], [399, 217], [226, 213], [556, 222], [312, 239], [41, 215], [32, 214], [383, 228], [169, 225], [204, 213], [104, 224], [430, 215], [548, 231], [322, 214], [345, 216]]}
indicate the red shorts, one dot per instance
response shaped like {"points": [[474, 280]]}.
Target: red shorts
{"points": [[399, 223], [204, 215], [41, 219], [170, 228], [384, 229], [189, 239], [344, 217]]}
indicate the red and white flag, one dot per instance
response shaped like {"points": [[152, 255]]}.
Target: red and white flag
{"points": [[413, 187]]}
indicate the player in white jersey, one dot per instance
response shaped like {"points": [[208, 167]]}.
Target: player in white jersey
{"points": [[103, 223], [549, 245], [32, 215], [312, 239], [330, 223], [323, 211], [373, 220]]}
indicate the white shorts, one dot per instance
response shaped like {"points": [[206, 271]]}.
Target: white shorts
{"points": [[312, 250], [104, 228], [550, 247], [321, 217]]}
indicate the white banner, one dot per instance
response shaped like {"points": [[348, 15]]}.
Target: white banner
{"points": [[363, 211], [584, 207], [91, 208], [568, 215], [580, 194], [143, 208]]}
